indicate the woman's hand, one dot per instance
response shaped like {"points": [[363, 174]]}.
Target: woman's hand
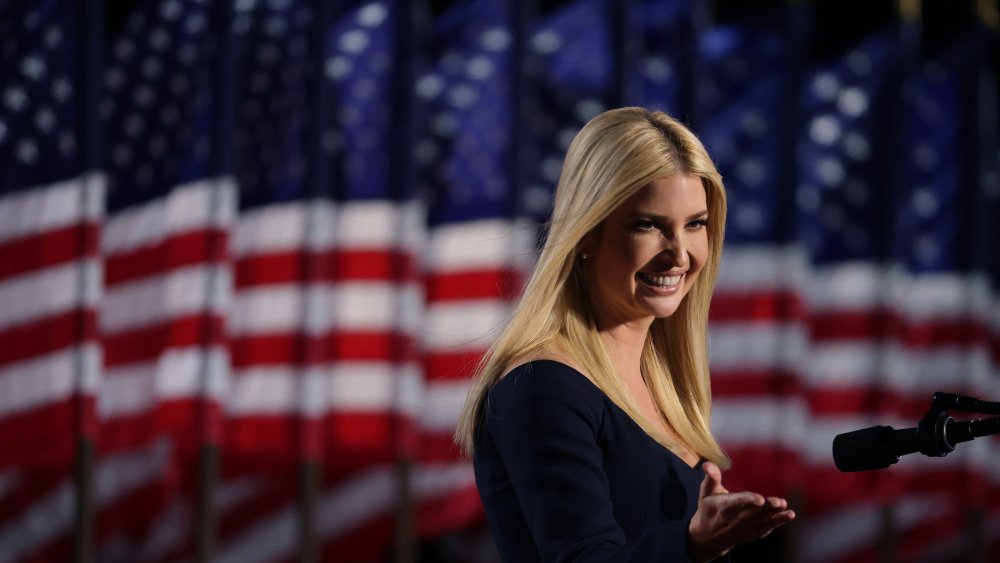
{"points": [[725, 519]]}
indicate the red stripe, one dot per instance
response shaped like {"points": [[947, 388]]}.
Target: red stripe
{"points": [[271, 495], [50, 248], [755, 306], [473, 284], [451, 365], [146, 343], [47, 434], [438, 447], [367, 542], [751, 383], [45, 336], [176, 251], [455, 510], [295, 349], [333, 265]]}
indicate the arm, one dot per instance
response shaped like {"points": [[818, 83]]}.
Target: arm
{"points": [[545, 426]]}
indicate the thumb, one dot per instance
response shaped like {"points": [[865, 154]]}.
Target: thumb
{"points": [[712, 484]]}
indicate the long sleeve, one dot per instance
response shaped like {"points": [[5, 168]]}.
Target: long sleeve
{"points": [[546, 427]]}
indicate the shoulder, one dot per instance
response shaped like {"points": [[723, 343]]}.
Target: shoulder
{"points": [[544, 384]]}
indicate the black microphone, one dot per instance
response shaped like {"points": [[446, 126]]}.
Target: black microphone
{"points": [[879, 447]]}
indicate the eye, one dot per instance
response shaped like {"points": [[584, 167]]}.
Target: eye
{"points": [[698, 224], [644, 225]]}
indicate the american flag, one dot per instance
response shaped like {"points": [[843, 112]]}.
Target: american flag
{"points": [[288, 229]]}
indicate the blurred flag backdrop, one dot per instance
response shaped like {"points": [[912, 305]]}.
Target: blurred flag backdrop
{"points": [[251, 250]]}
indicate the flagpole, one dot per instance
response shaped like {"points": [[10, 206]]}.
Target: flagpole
{"points": [[400, 179], [315, 263], [91, 32]]}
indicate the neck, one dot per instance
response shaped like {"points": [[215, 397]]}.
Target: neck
{"points": [[626, 341]]}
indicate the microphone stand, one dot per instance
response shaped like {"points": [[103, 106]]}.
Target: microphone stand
{"points": [[938, 433]]}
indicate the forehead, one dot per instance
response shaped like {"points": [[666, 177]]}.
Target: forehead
{"points": [[682, 194]]}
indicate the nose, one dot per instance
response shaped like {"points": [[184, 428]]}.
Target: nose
{"points": [[674, 249]]}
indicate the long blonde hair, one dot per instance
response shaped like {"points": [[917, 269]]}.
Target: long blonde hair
{"points": [[616, 154]]}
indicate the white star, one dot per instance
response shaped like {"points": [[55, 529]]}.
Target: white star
{"points": [[67, 143], [53, 37], [546, 41], [826, 86], [61, 89], [830, 171], [859, 62], [479, 68], [170, 10], [924, 202], [33, 67], [462, 96], [587, 108], [124, 49], [114, 78], [429, 86], [45, 120], [275, 26], [495, 39], [337, 67], [657, 69], [159, 39], [824, 129], [372, 15], [354, 41], [15, 99], [27, 152], [852, 102]]}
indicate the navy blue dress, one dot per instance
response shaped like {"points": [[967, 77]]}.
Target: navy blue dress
{"points": [[565, 475]]}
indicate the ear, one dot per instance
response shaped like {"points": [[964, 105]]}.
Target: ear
{"points": [[585, 249]]}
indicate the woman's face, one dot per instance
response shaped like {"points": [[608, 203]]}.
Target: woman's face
{"points": [[646, 255]]}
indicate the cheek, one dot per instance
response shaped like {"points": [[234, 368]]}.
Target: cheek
{"points": [[700, 251]]}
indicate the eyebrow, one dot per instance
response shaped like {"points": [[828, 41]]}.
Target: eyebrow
{"points": [[691, 217]]}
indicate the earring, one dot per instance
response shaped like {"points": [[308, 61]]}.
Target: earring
{"points": [[585, 255]]}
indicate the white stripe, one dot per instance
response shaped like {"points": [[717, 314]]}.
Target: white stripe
{"points": [[342, 509], [485, 244], [760, 422], [913, 370], [59, 205], [443, 402], [376, 387], [360, 225], [835, 535], [8, 481], [48, 379], [466, 325], [859, 285], [173, 294], [229, 493], [49, 291], [749, 268], [46, 519], [361, 306], [170, 529], [345, 387], [114, 477], [178, 373], [189, 207], [757, 345]]}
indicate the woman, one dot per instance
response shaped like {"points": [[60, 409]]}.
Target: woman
{"points": [[589, 424]]}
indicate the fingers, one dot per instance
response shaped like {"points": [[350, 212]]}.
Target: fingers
{"points": [[712, 484]]}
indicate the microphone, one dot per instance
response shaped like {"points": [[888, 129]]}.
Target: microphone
{"points": [[879, 447]]}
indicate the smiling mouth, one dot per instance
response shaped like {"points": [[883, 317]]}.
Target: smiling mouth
{"points": [[659, 281]]}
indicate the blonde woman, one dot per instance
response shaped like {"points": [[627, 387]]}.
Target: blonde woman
{"points": [[589, 422]]}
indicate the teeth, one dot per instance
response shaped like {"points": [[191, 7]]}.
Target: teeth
{"points": [[662, 280]]}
